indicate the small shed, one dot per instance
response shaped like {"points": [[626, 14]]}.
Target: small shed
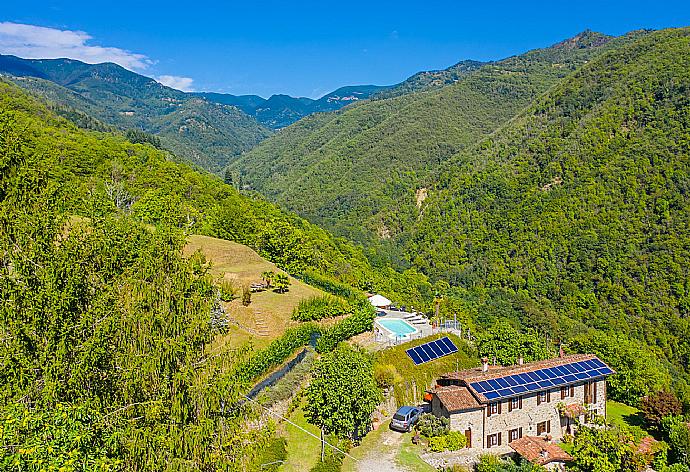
{"points": [[541, 451], [379, 301]]}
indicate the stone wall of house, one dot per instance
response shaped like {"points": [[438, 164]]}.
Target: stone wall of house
{"points": [[527, 417], [471, 420]]}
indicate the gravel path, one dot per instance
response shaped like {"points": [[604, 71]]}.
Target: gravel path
{"points": [[383, 459]]}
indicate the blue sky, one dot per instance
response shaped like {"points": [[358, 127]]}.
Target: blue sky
{"points": [[307, 48]]}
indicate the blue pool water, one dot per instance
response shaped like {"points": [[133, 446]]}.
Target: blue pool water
{"points": [[398, 327]]}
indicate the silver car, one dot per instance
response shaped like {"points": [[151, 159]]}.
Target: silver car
{"points": [[405, 418]]}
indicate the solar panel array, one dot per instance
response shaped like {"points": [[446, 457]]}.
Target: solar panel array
{"points": [[432, 350], [542, 379]]}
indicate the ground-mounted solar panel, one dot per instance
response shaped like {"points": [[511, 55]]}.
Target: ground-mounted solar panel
{"points": [[432, 350]]}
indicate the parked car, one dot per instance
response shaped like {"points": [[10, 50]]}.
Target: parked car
{"points": [[405, 418]]}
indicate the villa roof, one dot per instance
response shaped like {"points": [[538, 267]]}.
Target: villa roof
{"points": [[466, 378], [477, 374], [539, 450], [456, 398]]}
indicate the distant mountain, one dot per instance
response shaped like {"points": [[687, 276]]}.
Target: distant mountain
{"points": [[203, 132], [279, 111], [426, 80], [363, 171]]}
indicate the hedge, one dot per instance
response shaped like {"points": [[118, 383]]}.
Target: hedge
{"points": [[318, 308]]}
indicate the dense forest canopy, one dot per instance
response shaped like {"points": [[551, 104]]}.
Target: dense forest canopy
{"points": [[576, 212], [363, 172]]}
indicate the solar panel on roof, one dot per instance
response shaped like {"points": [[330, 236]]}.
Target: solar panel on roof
{"points": [[431, 350], [502, 383], [541, 379], [511, 381], [494, 384], [425, 357]]}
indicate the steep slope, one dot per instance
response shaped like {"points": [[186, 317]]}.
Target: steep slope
{"points": [[206, 134], [362, 172], [279, 111], [578, 209], [425, 80], [144, 182]]}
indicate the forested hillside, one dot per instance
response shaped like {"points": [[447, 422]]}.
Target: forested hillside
{"points": [[362, 172], [202, 132], [575, 214], [106, 328]]}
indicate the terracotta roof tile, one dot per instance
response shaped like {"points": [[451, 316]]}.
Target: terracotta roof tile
{"points": [[456, 398], [539, 451]]}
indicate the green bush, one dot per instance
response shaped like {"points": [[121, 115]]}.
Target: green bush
{"points": [[455, 440], [386, 375], [452, 441], [318, 308], [362, 320], [227, 291], [432, 426]]}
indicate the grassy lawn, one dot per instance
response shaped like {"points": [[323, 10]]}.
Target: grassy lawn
{"points": [[422, 375], [269, 312], [619, 414], [303, 451], [408, 456]]}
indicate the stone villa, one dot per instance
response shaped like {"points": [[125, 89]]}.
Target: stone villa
{"points": [[495, 406]]}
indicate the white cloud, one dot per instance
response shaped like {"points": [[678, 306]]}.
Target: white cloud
{"points": [[38, 42], [179, 83]]}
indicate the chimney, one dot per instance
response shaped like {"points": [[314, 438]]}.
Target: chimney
{"points": [[561, 353], [544, 453], [485, 364], [520, 360]]}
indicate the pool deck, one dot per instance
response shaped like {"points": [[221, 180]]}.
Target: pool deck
{"points": [[423, 330]]}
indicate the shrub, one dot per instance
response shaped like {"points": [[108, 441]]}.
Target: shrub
{"points": [[226, 290], [386, 375], [432, 426], [452, 441], [455, 441], [317, 308], [246, 296], [659, 405], [362, 320]]}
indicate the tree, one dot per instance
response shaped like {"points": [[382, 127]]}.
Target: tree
{"points": [[606, 450], [506, 344], [677, 433], [267, 276], [637, 368], [343, 393], [659, 405], [282, 282]]}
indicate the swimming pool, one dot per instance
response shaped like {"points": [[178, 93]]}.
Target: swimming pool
{"points": [[396, 327]]}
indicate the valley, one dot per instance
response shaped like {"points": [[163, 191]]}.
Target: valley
{"points": [[491, 258]]}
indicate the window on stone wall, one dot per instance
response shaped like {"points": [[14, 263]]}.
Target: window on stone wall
{"points": [[567, 391], [493, 440], [493, 408], [542, 397], [514, 434], [543, 427], [515, 403]]}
